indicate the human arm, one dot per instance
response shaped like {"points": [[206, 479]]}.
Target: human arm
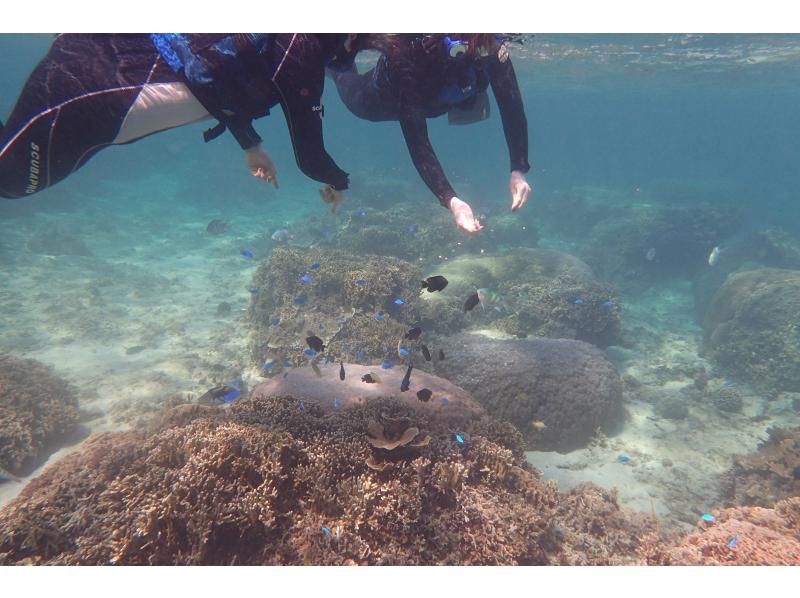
{"points": [[515, 124], [300, 83]]}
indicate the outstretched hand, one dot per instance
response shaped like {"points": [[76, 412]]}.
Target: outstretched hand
{"points": [[261, 165], [465, 219], [520, 189], [331, 196]]}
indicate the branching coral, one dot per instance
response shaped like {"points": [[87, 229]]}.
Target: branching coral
{"points": [[36, 408]]}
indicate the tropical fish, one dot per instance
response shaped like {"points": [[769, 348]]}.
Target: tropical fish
{"points": [[378, 317], [361, 281], [411, 228], [315, 343], [399, 301], [458, 438], [708, 517], [713, 257], [733, 541], [299, 301], [218, 395], [337, 403], [445, 400], [341, 370], [253, 290], [441, 354], [406, 379], [403, 352], [413, 334], [489, 298], [281, 236], [326, 530], [275, 321], [310, 352], [387, 365], [623, 459], [361, 213], [424, 394], [216, 227], [6, 476], [371, 378], [434, 283], [471, 302], [538, 424], [307, 278], [315, 266], [578, 301], [650, 254], [247, 253], [425, 353]]}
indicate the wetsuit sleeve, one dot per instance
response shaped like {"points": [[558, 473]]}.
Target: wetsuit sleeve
{"points": [[244, 133], [512, 112], [300, 83], [415, 132]]}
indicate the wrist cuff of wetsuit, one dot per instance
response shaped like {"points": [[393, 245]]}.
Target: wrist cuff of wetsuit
{"points": [[341, 185], [445, 201], [522, 167], [245, 135]]}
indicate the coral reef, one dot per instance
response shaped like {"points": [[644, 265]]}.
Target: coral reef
{"points": [[424, 232], [740, 536], [323, 388], [771, 248], [751, 330], [545, 293], [268, 483], [681, 239], [348, 300], [726, 398], [36, 410], [568, 386], [768, 475]]}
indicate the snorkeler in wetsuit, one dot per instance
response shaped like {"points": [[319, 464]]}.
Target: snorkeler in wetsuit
{"points": [[92, 91], [424, 76]]}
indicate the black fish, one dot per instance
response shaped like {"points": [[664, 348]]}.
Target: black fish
{"points": [[216, 227], [471, 301], [341, 370], [413, 334], [424, 395], [441, 354], [370, 378], [406, 379], [425, 352], [434, 283], [315, 343]]}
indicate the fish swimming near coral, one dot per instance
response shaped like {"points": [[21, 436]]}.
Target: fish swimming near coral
{"points": [[406, 379], [425, 353], [281, 236], [315, 343], [424, 394], [413, 333], [471, 302], [434, 283], [216, 227], [219, 395], [341, 370], [370, 378], [6, 476], [713, 257], [490, 299]]}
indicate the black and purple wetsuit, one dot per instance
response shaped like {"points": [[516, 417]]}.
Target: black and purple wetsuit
{"points": [[416, 79], [95, 90]]}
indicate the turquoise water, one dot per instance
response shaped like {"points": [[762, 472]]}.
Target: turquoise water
{"points": [[111, 279]]}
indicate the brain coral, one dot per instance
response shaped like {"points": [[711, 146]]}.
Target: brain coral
{"points": [[36, 408], [568, 386]]}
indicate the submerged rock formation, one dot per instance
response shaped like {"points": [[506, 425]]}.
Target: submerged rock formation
{"points": [[751, 329], [556, 392]]}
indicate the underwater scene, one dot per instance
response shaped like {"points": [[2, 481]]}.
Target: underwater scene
{"points": [[220, 353]]}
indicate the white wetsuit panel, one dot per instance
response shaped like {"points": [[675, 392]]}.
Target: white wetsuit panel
{"points": [[160, 106]]}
